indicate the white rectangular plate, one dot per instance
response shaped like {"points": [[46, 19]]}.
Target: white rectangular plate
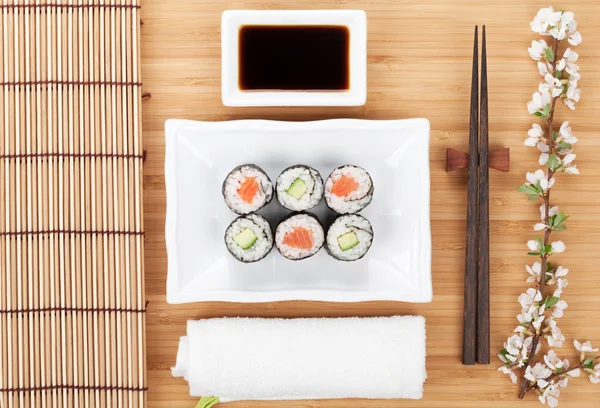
{"points": [[200, 154]]}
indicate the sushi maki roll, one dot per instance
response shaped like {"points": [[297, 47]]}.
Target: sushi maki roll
{"points": [[299, 188], [246, 189], [249, 238], [348, 189], [299, 236], [349, 237]]}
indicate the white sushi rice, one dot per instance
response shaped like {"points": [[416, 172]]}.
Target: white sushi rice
{"points": [[300, 220], [314, 188], [343, 225], [261, 229], [234, 181], [356, 200]]}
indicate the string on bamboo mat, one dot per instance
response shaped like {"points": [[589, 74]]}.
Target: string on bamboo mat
{"points": [[62, 6], [70, 83]]}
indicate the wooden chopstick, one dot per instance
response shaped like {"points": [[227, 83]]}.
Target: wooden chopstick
{"points": [[483, 271], [470, 303]]}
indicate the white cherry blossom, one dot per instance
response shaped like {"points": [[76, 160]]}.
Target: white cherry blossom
{"points": [[529, 298], [545, 19], [558, 247], [552, 361], [544, 68], [575, 38], [585, 347], [594, 374], [568, 159], [566, 134], [572, 170], [508, 370], [551, 212], [538, 374], [537, 49], [558, 309], [534, 135], [550, 395], [539, 176], [554, 84], [567, 62], [555, 337], [534, 271], [533, 245], [540, 100]]}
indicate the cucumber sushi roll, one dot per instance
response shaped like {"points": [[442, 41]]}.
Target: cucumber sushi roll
{"points": [[246, 189], [249, 238], [348, 189], [299, 188], [349, 237], [299, 236]]}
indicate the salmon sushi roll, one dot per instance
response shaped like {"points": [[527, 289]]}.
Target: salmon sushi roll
{"points": [[299, 188], [348, 189], [349, 238], [246, 189], [299, 236], [249, 238]]}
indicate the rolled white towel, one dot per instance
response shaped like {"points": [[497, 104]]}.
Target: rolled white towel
{"points": [[276, 359]]}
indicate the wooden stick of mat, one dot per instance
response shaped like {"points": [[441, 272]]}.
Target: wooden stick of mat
{"points": [[31, 282], [470, 305], [114, 220], [19, 204], [141, 346], [127, 136], [101, 187], [117, 205], [483, 270], [45, 351], [3, 210]]}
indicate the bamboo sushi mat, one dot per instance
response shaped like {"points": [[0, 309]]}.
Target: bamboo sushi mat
{"points": [[72, 305]]}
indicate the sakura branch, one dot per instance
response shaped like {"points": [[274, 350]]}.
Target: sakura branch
{"points": [[542, 305]]}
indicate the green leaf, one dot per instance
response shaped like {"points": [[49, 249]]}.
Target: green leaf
{"points": [[533, 253], [589, 363], [559, 74], [551, 220], [563, 145], [207, 402], [553, 162], [554, 135], [528, 189], [560, 218], [504, 352], [560, 228], [551, 301], [548, 249], [533, 197], [548, 266], [546, 112], [549, 54], [537, 113]]}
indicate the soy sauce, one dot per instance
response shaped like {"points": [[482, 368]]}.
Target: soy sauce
{"points": [[284, 57]]}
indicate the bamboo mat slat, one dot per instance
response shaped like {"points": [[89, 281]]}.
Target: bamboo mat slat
{"points": [[72, 304]]}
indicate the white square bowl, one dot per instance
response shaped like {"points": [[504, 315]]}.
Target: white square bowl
{"points": [[200, 154], [233, 20]]}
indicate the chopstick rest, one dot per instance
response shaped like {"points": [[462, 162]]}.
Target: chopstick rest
{"points": [[476, 330], [314, 358]]}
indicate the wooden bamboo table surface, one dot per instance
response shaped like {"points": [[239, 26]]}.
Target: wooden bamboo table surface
{"points": [[419, 56]]}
